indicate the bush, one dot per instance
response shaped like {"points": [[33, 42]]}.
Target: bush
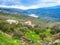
{"points": [[32, 35], [7, 40]]}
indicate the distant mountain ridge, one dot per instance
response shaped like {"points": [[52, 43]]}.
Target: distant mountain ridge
{"points": [[52, 12], [47, 12]]}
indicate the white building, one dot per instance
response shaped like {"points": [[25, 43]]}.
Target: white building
{"points": [[10, 21]]}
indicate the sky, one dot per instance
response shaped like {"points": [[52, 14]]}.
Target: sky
{"points": [[28, 4]]}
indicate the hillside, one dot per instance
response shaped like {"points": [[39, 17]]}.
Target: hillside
{"points": [[16, 31], [23, 18], [5, 39]]}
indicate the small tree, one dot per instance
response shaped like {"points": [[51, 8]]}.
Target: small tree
{"points": [[48, 32]]}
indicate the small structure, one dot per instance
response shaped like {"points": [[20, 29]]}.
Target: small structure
{"points": [[10, 21], [29, 22]]}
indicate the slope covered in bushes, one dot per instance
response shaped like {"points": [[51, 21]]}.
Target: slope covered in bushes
{"points": [[7, 40], [43, 33]]}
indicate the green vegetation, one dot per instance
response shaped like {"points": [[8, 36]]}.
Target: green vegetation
{"points": [[48, 32], [7, 40], [42, 33], [32, 35]]}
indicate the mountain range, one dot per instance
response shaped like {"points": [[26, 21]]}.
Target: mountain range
{"points": [[47, 12]]}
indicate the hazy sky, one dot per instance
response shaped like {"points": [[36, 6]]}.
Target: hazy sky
{"points": [[28, 4]]}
